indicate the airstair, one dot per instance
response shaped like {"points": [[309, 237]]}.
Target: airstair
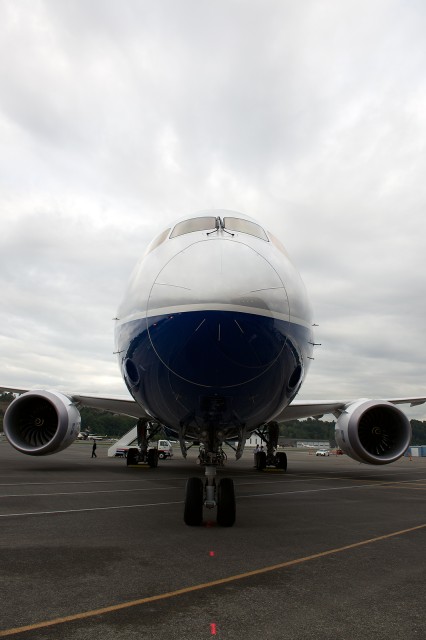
{"points": [[129, 438]]}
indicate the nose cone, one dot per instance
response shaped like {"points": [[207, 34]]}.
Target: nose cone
{"points": [[217, 313], [217, 273]]}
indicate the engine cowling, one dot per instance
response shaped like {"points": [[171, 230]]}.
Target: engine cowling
{"points": [[373, 431], [41, 422]]}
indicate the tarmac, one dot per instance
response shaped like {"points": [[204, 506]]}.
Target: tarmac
{"points": [[332, 549]]}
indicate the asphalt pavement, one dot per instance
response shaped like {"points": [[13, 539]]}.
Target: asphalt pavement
{"points": [[92, 549]]}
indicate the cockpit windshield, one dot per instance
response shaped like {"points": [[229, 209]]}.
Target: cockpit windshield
{"points": [[206, 223], [157, 241], [212, 224], [244, 226]]}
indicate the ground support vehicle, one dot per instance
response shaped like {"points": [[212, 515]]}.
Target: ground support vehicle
{"points": [[165, 449]]}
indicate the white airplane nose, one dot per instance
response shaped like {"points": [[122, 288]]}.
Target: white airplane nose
{"points": [[218, 313], [216, 273]]}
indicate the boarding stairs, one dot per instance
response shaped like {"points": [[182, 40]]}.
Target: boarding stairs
{"points": [[129, 438]]}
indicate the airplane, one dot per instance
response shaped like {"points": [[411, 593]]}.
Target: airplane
{"points": [[214, 339], [85, 435]]}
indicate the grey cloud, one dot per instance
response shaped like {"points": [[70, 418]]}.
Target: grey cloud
{"points": [[118, 117]]}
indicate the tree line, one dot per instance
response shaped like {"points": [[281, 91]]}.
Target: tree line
{"points": [[315, 429], [107, 424]]}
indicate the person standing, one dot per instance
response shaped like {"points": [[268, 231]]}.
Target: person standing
{"points": [[256, 451], [94, 449]]}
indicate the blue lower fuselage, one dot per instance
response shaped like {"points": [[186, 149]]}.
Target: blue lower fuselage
{"points": [[228, 370]]}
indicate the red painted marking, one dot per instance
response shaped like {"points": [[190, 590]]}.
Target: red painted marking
{"points": [[213, 628], [209, 523]]}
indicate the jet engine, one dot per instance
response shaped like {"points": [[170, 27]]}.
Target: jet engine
{"points": [[373, 431], [41, 422]]}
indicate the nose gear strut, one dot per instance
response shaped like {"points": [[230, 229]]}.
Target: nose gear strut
{"points": [[211, 494]]}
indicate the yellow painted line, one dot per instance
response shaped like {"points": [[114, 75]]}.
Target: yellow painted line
{"points": [[198, 587], [404, 486], [416, 483]]}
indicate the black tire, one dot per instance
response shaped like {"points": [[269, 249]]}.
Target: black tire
{"points": [[281, 460], [152, 458], [132, 456], [226, 503], [261, 461], [194, 500], [161, 455]]}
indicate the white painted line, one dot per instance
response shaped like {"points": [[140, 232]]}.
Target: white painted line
{"points": [[49, 513], [80, 493], [280, 493], [156, 504], [86, 482]]}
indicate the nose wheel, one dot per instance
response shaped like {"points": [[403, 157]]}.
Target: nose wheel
{"points": [[211, 495], [194, 501], [226, 503]]}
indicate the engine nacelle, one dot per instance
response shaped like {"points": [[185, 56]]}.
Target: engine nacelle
{"points": [[41, 422], [373, 431]]}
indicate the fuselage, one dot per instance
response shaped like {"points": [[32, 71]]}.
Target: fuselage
{"points": [[215, 329]]}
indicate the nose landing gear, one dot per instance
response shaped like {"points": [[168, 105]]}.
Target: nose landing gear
{"points": [[226, 502], [194, 500], [211, 495]]}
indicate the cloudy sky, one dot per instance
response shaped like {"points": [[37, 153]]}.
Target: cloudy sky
{"points": [[117, 117]]}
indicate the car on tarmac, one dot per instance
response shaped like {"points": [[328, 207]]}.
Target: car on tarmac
{"points": [[165, 450], [322, 452]]}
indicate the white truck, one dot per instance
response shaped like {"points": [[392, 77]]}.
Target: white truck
{"points": [[164, 448]]}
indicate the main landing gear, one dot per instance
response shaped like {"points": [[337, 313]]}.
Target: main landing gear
{"points": [[210, 495], [277, 460], [142, 453], [269, 458]]}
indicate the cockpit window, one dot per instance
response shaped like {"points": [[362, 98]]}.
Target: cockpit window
{"points": [[157, 241], [278, 244], [245, 226], [206, 223]]}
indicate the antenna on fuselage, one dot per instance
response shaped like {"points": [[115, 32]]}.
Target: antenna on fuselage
{"points": [[218, 226], [222, 226]]}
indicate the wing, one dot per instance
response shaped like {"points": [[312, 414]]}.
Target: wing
{"points": [[121, 405], [309, 408], [297, 410]]}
